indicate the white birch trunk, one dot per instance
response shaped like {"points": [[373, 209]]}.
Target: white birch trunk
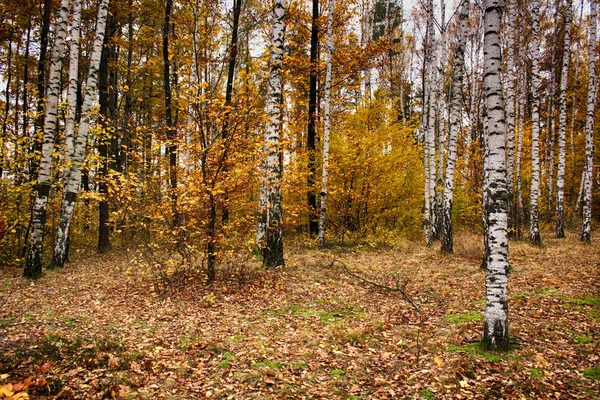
{"points": [[261, 229], [496, 311], [562, 129], [33, 264], [586, 228], [273, 250], [429, 112], [72, 91], [510, 109], [534, 230], [72, 186], [456, 104], [441, 126], [520, 211], [327, 122]]}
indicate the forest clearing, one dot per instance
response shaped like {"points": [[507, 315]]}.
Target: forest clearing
{"points": [[309, 330]]}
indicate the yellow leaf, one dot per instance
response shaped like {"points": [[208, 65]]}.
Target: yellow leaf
{"points": [[21, 396], [4, 376], [464, 383], [6, 390], [438, 361]]}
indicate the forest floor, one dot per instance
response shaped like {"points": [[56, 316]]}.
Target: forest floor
{"points": [[310, 330]]}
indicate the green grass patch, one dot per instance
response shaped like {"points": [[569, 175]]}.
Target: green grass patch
{"points": [[71, 322], [593, 313], [582, 339], [338, 373], [522, 295], [588, 301], [425, 394], [477, 350], [592, 373], [549, 291], [458, 318], [188, 341], [536, 373], [329, 316], [227, 357], [7, 320], [268, 364]]}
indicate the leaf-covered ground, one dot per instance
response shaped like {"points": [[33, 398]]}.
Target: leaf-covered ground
{"points": [[308, 331]]}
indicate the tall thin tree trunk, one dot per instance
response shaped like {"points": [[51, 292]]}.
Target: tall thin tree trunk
{"points": [[71, 103], [327, 123], [72, 186], [107, 148], [428, 127], [33, 264], [534, 230], [4, 136], [233, 50], [273, 249], [519, 209], [41, 88], [171, 129], [456, 104], [586, 228], [495, 320], [562, 129], [25, 124], [72, 90], [313, 219], [510, 111], [440, 137]]}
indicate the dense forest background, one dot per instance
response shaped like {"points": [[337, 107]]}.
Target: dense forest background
{"points": [[186, 168]]}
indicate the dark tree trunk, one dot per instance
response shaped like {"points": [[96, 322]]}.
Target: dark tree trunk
{"points": [[229, 88], [313, 221], [171, 130], [103, 144]]}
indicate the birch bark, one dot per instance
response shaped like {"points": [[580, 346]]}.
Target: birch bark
{"points": [[586, 228], [327, 122], [562, 129], [273, 249], [72, 91], [72, 186], [456, 104], [33, 264], [428, 127], [534, 230], [496, 312], [510, 111]]}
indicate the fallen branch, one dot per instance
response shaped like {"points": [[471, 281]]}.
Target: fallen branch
{"points": [[400, 287]]}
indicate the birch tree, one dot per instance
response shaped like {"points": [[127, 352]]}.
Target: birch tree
{"points": [[456, 105], [510, 108], [562, 129], [72, 91], [586, 228], [428, 127], [496, 311], [327, 123], [534, 230], [273, 249], [72, 185], [33, 263]]}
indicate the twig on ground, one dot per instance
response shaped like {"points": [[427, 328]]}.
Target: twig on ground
{"points": [[400, 287]]}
